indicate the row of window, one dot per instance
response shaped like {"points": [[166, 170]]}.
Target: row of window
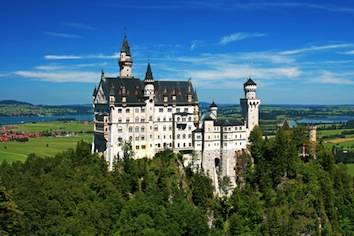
{"points": [[142, 109], [234, 128], [225, 144]]}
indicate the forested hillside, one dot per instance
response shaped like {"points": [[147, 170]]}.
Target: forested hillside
{"points": [[73, 194]]}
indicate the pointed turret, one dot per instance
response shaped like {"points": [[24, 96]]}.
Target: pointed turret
{"points": [[149, 88], [125, 46], [148, 75], [125, 60]]}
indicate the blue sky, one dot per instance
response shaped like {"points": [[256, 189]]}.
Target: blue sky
{"points": [[299, 52]]}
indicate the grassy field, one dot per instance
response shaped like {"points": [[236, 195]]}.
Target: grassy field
{"points": [[321, 133], [350, 168], [45, 146], [68, 126]]}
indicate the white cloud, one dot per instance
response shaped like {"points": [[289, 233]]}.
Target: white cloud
{"points": [[350, 52], [61, 76], [63, 35], [49, 67], [193, 44], [62, 57], [330, 78], [238, 37], [242, 71], [316, 48], [79, 25], [75, 57]]}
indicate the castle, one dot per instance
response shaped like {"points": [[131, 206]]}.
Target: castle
{"points": [[154, 115]]}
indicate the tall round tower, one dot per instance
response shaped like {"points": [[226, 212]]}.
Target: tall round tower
{"points": [[312, 133], [250, 105]]}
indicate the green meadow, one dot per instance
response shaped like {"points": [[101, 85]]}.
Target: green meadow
{"points": [[45, 146], [67, 126]]}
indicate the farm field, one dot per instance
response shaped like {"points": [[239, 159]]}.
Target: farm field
{"points": [[43, 146], [67, 126]]}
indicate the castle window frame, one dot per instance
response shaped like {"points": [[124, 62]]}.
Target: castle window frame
{"points": [[130, 129], [160, 109], [142, 109], [127, 110], [120, 110], [186, 109], [169, 109], [136, 128]]}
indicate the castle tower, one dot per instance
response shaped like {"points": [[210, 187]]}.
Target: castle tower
{"points": [[149, 88], [312, 132], [125, 60], [250, 105], [213, 108]]}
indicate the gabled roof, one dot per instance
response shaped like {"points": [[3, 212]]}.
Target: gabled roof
{"points": [[94, 92], [249, 82], [133, 90]]}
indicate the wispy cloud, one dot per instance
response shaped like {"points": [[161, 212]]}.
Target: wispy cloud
{"points": [[63, 35], [60, 76], [49, 67], [237, 5], [76, 57], [62, 57], [78, 25], [330, 78], [238, 37], [316, 48], [351, 52]]}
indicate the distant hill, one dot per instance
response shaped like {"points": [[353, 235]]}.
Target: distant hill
{"points": [[14, 102], [18, 108]]}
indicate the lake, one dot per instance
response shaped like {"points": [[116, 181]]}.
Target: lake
{"points": [[8, 120], [326, 119]]}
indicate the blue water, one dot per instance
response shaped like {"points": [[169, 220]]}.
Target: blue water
{"points": [[7, 120], [326, 119]]}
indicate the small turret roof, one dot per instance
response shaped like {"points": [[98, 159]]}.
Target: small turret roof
{"points": [[213, 105], [249, 82], [125, 46], [148, 74]]}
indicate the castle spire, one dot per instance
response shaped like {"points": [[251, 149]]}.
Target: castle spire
{"points": [[125, 46], [125, 60], [148, 75]]}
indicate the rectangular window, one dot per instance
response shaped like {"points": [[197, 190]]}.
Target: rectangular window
{"points": [[127, 110], [169, 109], [160, 109], [137, 147], [142, 146], [185, 109], [143, 109], [120, 110]]}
